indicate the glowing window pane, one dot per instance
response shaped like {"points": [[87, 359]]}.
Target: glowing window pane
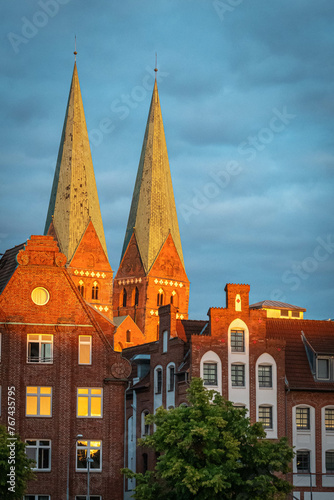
{"points": [[82, 407], [31, 390], [40, 296], [45, 390], [32, 405], [96, 391], [95, 444], [96, 407], [45, 406], [83, 391]]}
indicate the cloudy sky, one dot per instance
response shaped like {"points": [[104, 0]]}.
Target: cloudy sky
{"points": [[246, 89]]}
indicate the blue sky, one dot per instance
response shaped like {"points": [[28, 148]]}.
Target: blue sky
{"points": [[246, 89]]}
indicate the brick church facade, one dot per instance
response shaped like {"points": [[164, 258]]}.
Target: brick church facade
{"points": [[89, 354]]}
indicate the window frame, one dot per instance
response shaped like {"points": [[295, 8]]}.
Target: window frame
{"points": [[158, 381], [89, 396], [145, 428], [88, 447], [37, 447], [329, 472], [237, 345], [234, 378], [38, 395], [263, 378], [207, 375], [299, 419], [40, 342], [84, 343], [171, 378], [266, 418], [331, 419], [322, 358], [36, 497], [303, 470]]}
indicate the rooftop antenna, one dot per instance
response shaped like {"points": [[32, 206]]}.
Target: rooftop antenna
{"points": [[75, 48], [156, 64]]}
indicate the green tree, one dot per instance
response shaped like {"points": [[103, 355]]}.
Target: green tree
{"points": [[15, 466], [209, 450]]}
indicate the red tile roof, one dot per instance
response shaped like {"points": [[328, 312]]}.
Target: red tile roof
{"points": [[320, 335]]}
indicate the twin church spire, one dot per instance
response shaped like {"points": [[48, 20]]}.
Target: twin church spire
{"points": [[152, 253]]}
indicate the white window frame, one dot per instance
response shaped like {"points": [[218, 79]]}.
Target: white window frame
{"points": [[212, 358], [90, 396], [82, 342], [40, 342], [37, 447], [88, 449], [244, 370], [36, 497], [158, 369], [170, 366], [271, 416], [39, 395]]}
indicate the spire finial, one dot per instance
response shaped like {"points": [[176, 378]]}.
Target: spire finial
{"points": [[75, 48], [156, 64]]}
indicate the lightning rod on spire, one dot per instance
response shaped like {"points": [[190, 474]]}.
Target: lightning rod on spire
{"points": [[75, 48], [156, 66]]}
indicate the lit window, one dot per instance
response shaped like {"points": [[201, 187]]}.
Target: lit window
{"points": [[171, 377], [329, 419], [85, 349], [265, 376], [210, 374], [91, 449], [95, 291], [40, 348], [38, 401], [89, 402], [40, 296], [36, 497], [303, 461], [330, 462], [145, 427], [238, 375], [158, 381], [40, 451], [266, 416], [237, 341], [303, 418], [323, 368]]}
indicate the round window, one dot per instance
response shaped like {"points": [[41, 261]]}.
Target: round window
{"points": [[40, 296]]}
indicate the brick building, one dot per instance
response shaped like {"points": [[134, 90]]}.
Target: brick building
{"points": [[89, 356]]}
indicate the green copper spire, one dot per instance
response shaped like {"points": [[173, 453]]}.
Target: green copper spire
{"points": [[74, 200], [153, 212]]}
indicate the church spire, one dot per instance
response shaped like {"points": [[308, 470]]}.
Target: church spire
{"points": [[74, 201], [153, 214]]}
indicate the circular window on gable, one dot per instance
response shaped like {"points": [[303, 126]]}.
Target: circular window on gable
{"points": [[40, 296]]}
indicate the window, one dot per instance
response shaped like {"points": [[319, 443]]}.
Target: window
{"points": [[329, 419], [90, 449], [160, 297], [210, 374], [124, 297], [323, 368], [295, 314], [38, 401], [266, 416], [40, 348], [40, 296], [81, 288], [85, 349], [238, 375], [171, 376], [330, 462], [237, 341], [303, 461], [128, 335], [89, 402], [136, 296], [284, 312], [158, 381], [36, 497], [91, 497], [40, 451], [145, 427], [95, 291], [265, 376], [303, 418], [165, 341]]}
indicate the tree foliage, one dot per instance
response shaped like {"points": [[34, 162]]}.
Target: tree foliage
{"points": [[208, 451], [15, 466]]}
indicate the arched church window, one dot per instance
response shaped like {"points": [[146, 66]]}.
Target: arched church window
{"points": [[160, 297], [95, 291], [124, 297], [81, 287]]}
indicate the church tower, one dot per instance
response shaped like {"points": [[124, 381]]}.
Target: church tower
{"points": [[74, 216], [152, 271]]}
